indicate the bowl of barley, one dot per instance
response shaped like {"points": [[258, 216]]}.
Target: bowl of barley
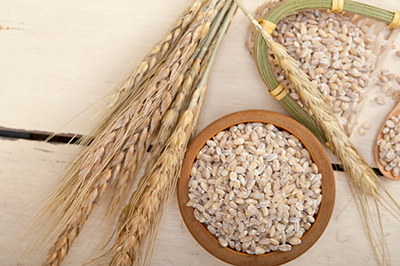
{"points": [[256, 188]]}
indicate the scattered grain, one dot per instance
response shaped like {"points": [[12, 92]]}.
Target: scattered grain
{"points": [[379, 100], [389, 146]]}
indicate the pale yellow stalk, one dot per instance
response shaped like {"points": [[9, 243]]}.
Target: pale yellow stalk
{"points": [[151, 201], [368, 190], [363, 181], [140, 218], [157, 53], [104, 160], [156, 139]]}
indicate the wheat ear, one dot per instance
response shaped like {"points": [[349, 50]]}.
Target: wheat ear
{"points": [[192, 78], [156, 139], [146, 67], [89, 179], [157, 53], [364, 183], [160, 133], [140, 219]]}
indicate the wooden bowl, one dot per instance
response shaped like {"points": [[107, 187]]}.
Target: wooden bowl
{"points": [[318, 155]]}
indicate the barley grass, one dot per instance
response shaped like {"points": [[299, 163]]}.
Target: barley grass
{"points": [[119, 144], [364, 183], [161, 123], [367, 189], [131, 83], [360, 15], [157, 53], [165, 120], [141, 217], [192, 78]]}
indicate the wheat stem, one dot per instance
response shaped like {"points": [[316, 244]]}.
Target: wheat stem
{"points": [[139, 221], [116, 146], [156, 139], [197, 70], [147, 67], [157, 53], [363, 181]]}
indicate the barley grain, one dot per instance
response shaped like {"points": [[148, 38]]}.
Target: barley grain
{"points": [[389, 146], [253, 189], [346, 48], [379, 100]]}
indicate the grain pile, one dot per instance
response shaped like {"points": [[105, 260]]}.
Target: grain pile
{"points": [[367, 189], [389, 146], [335, 53], [256, 188], [342, 52]]}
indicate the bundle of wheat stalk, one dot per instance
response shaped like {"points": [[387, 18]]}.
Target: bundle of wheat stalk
{"points": [[368, 190], [141, 217], [143, 115]]}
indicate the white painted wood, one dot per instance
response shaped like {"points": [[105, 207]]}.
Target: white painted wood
{"points": [[60, 57], [63, 57], [29, 171]]}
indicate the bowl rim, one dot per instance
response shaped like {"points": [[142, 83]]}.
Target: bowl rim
{"points": [[318, 155]]}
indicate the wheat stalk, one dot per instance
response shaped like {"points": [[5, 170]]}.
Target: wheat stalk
{"points": [[131, 83], [157, 53], [101, 164], [192, 78], [156, 139], [363, 181], [140, 218]]}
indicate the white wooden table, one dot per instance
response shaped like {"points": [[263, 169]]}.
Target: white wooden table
{"points": [[59, 57]]}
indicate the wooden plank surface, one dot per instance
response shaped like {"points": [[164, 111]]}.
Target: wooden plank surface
{"points": [[74, 54], [30, 170], [58, 58]]}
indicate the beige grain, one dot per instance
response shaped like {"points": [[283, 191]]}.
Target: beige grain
{"points": [[258, 188]]}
